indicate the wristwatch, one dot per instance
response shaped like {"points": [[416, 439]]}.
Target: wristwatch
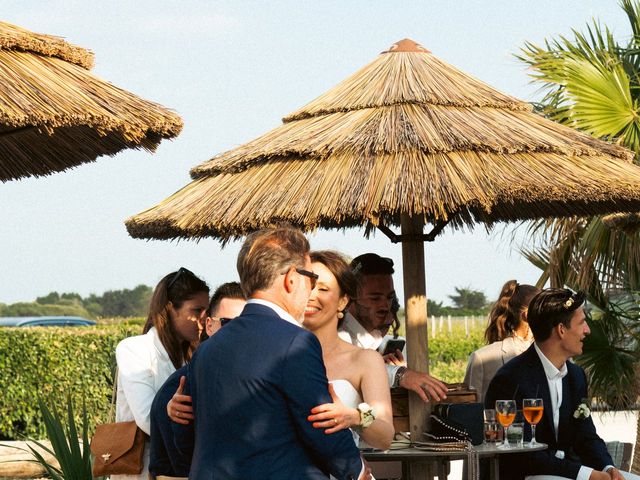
{"points": [[398, 376], [367, 415]]}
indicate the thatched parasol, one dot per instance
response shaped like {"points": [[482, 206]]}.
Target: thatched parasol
{"points": [[405, 141], [55, 114]]}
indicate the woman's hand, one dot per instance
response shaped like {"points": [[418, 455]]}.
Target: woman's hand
{"points": [[179, 407], [335, 416]]}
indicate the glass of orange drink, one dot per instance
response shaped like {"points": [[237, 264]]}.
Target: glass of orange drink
{"points": [[532, 409], [505, 414]]}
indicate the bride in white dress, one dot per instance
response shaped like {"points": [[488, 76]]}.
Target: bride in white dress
{"points": [[356, 375]]}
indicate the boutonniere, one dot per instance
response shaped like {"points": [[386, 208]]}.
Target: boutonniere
{"points": [[583, 411]]}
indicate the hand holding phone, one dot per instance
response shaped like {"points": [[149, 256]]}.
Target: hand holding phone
{"points": [[392, 345]]}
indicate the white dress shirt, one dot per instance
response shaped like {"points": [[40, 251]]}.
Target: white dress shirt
{"points": [[352, 332]]}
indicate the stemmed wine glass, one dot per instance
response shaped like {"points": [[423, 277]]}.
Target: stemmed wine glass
{"points": [[532, 409], [506, 414]]}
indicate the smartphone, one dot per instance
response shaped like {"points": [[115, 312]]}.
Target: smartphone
{"points": [[393, 344]]}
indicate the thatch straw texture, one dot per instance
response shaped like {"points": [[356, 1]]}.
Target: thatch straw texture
{"points": [[627, 222], [55, 114], [407, 134]]}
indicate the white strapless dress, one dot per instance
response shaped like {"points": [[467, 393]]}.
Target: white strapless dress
{"points": [[350, 397]]}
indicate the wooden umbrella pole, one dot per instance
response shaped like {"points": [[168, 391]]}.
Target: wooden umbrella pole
{"points": [[415, 301]]}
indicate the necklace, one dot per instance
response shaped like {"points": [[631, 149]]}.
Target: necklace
{"points": [[527, 336]]}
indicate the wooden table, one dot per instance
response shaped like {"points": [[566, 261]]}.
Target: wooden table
{"points": [[411, 456]]}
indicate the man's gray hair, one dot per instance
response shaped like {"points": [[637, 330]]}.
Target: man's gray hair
{"points": [[265, 254]]}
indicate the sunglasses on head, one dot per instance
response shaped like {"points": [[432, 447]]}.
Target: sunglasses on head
{"points": [[181, 271]]}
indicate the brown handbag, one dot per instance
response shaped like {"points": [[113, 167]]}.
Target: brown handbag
{"points": [[118, 447]]}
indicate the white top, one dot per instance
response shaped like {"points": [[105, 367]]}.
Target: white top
{"points": [[351, 397], [352, 332], [143, 366]]}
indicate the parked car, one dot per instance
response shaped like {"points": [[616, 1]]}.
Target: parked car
{"points": [[45, 322]]}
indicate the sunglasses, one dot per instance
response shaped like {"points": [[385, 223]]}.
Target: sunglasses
{"points": [[181, 271], [312, 276], [223, 320]]}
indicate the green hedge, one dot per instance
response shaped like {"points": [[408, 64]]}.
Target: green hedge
{"points": [[448, 353], [53, 363]]}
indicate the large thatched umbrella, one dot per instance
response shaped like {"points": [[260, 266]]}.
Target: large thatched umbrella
{"points": [[407, 140], [55, 114]]}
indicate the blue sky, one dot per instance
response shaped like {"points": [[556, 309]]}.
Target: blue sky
{"points": [[232, 70]]}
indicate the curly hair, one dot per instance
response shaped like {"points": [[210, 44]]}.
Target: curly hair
{"points": [[507, 312]]}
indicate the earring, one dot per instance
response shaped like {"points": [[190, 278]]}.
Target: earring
{"points": [[340, 314]]}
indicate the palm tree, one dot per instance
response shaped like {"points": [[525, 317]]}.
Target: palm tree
{"points": [[591, 82]]}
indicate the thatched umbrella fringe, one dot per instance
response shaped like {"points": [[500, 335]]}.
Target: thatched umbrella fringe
{"points": [[415, 127], [13, 37]]}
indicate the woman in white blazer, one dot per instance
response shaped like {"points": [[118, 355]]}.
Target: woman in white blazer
{"points": [[176, 313], [507, 334]]}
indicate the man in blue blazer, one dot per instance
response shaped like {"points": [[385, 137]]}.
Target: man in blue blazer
{"points": [[575, 451], [255, 382]]}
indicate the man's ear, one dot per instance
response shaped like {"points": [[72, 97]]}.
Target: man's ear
{"points": [[289, 282]]}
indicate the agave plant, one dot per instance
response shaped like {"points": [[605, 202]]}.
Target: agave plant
{"points": [[69, 446]]}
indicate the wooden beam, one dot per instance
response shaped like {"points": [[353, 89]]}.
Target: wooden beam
{"points": [[413, 270]]}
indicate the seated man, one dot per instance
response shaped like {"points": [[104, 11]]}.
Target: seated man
{"points": [[171, 444], [575, 451], [370, 312]]}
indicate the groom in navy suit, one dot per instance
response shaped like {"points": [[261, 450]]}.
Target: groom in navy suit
{"points": [[575, 451], [255, 382]]}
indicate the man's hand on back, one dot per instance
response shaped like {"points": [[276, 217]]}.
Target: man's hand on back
{"points": [[426, 386]]}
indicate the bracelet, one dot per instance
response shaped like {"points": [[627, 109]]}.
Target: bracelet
{"points": [[398, 376]]}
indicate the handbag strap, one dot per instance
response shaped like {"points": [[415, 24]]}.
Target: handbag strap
{"points": [[112, 414]]}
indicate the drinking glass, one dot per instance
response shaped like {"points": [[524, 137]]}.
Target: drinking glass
{"points": [[506, 414], [532, 409]]}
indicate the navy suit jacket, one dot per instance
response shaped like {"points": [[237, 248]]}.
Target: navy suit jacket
{"points": [[171, 444], [253, 385], [576, 437]]}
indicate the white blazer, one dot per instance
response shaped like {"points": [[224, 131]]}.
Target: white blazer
{"points": [[485, 362], [143, 366]]}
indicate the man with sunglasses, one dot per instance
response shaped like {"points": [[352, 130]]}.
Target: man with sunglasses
{"points": [[255, 382], [369, 317], [171, 442]]}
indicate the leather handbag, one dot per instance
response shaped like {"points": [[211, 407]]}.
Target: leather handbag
{"points": [[457, 422], [117, 447]]}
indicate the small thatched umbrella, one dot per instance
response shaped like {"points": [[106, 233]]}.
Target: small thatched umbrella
{"points": [[55, 114], [405, 141]]}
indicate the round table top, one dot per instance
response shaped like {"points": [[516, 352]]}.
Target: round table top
{"points": [[483, 450]]}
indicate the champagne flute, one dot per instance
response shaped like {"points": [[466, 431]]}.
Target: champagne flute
{"points": [[532, 409], [506, 414]]}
